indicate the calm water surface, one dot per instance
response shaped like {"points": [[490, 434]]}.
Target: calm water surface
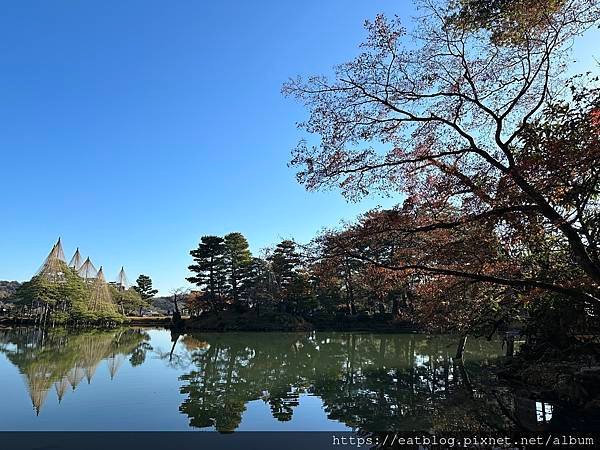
{"points": [[147, 379]]}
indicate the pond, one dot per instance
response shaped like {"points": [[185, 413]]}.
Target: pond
{"points": [[150, 379]]}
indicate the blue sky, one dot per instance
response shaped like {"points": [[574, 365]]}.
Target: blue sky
{"points": [[132, 128]]}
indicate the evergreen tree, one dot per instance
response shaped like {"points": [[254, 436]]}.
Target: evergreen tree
{"points": [[238, 260], [300, 296], [144, 288], [284, 263], [62, 301], [209, 268], [128, 300], [260, 284]]}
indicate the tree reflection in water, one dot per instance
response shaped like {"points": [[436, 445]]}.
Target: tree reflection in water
{"points": [[369, 382], [62, 359]]}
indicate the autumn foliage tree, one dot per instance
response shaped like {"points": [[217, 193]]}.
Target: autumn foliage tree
{"points": [[498, 156]]}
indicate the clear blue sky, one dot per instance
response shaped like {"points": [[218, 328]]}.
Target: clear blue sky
{"points": [[131, 128]]}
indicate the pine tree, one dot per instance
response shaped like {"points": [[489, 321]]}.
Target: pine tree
{"points": [[238, 260], [284, 263], [209, 268], [260, 284], [144, 288]]}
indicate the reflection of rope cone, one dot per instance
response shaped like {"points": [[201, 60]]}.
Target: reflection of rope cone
{"points": [[61, 363], [38, 398], [38, 384], [90, 371], [114, 362], [61, 388], [75, 375]]}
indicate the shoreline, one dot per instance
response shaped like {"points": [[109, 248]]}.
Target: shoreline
{"points": [[235, 322]]}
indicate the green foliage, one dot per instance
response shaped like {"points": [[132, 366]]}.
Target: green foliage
{"points": [[129, 300], [209, 268], [39, 291], [300, 297], [64, 300], [284, 262], [507, 21], [144, 288], [60, 317], [238, 260], [260, 284]]}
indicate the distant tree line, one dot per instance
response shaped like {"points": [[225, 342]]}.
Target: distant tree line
{"points": [[8, 289], [292, 278]]}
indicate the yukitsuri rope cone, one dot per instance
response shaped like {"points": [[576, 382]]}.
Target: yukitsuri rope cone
{"points": [[87, 271], [100, 297], [76, 261], [54, 267]]}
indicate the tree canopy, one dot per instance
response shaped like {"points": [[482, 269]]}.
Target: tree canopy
{"points": [[469, 118]]}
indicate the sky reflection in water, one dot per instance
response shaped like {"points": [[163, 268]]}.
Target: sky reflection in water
{"points": [[134, 379]]}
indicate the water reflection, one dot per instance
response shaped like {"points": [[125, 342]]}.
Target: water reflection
{"points": [[63, 360], [370, 383]]}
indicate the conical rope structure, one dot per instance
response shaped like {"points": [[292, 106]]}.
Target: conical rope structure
{"points": [[122, 279], [100, 297], [76, 261], [54, 267], [87, 271]]}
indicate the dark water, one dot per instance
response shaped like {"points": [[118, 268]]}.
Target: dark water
{"points": [[145, 379]]}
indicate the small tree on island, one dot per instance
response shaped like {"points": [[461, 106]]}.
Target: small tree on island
{"points": [[144, 288]]}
